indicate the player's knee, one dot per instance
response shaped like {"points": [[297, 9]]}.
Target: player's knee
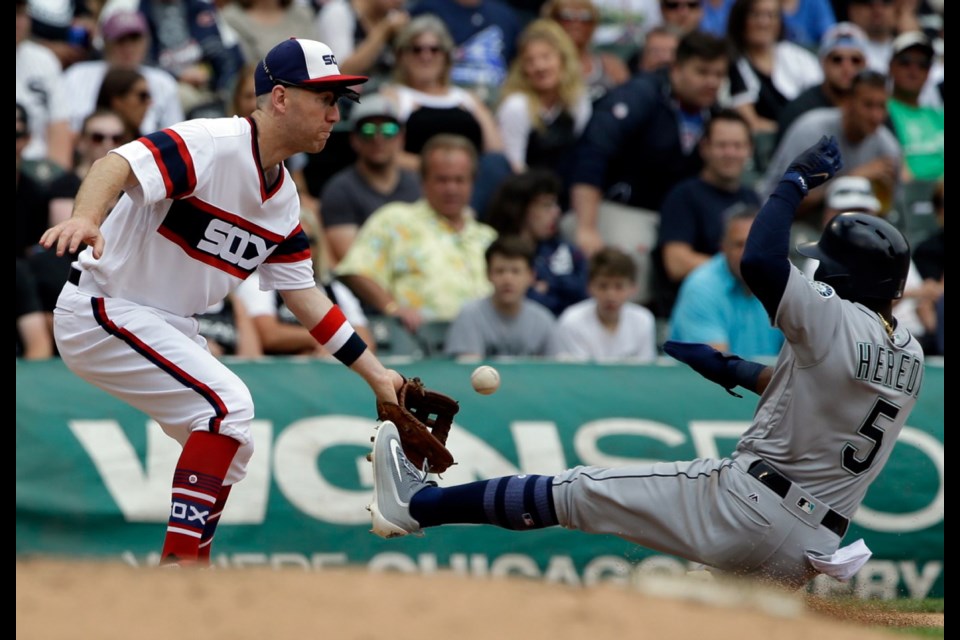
{"points": [[235, 421]]}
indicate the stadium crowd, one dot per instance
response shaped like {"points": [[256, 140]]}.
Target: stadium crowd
{"points": [[569, 179]]}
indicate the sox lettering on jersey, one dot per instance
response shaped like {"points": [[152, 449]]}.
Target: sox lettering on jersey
{"points": [[233, 244]]}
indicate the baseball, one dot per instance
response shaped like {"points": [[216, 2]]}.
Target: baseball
{"points": [[485, 379]]}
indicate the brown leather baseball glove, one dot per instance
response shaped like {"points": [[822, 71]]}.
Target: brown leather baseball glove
{"points": [[423, 418]]}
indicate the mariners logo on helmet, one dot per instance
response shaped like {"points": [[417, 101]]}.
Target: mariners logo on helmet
{"points": [[825, 290]]}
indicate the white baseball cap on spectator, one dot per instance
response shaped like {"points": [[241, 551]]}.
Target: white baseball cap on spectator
{"points": [[852, 193], [843, 35]]}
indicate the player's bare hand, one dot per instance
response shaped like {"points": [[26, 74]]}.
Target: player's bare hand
{"points": [[70, 234], [387, 385]]}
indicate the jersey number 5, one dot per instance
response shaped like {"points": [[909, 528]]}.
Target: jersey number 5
{"points": [[871, 432]]}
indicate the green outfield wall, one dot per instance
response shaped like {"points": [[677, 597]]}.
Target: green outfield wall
{"points": [[93, 475]]}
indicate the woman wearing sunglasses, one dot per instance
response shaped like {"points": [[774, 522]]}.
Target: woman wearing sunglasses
{"points": [[427, 102], [102, 131], [125, 92]]}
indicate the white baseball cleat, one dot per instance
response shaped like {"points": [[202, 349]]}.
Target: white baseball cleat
{"points": [[395, 481]]}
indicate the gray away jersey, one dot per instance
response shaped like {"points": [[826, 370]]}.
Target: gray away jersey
{"points": [[840, 393]]}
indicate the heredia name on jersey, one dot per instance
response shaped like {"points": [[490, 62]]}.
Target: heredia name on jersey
{"points": [[889, 368]]}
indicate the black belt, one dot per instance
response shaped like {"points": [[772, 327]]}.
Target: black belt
{"points": [[781, 486], [74, 277]]}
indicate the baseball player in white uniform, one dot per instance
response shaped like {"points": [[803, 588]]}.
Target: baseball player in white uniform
{"points": [[205, 203], [780, 505]]}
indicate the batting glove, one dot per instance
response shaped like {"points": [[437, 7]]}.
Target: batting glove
{"points": [[816, 165]]}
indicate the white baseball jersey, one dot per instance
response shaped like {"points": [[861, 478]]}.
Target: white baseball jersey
{"points": [[38, 74], [840, 393], [202, 219]]}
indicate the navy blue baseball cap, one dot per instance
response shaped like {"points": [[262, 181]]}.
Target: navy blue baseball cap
{"points": [[305, 64]]}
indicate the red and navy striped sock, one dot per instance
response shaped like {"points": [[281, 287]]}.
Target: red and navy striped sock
{"points": [[206, 538], [197, 483]]}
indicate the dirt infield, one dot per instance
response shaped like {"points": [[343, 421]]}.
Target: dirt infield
{"points": [[80, 601]]}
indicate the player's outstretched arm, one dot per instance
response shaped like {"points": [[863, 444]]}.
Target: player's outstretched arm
{"points": [[727, 370], [99, 190], [765, 265], [330, 328]]}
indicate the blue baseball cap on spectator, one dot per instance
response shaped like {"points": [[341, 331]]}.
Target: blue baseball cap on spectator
{"points": [[305, 64], [843, 35]]}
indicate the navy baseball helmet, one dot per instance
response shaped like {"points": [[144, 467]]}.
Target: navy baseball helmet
{"points": [[861, 256]]}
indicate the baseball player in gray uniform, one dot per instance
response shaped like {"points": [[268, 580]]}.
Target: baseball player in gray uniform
{"points": [[779, 506], [205, 204]]}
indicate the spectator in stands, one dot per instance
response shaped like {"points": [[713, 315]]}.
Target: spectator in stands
{"points": [[601, 71], [374, 180], [659, 50], [507, 322], [918, 128], [47, 272], [185, 40], [427, 102], [38, 72], [642, 139], [34, 337], [842, 56], [527, 205], [261, 24], [485, 35], [878, 19], [65, 27], [125, 92], [424, 260], [683, 16], [125, 45], [693, 214], [32, 201], [607, 326], [102, 131], [544, 106], [805, 22], [716, 307], [868, 148], [362, 34], [769, 71]]}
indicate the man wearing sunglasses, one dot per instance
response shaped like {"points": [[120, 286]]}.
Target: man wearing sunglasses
{"points": [[919, 128], [373, 180], [205, 204], [683, 16], [843, 54]]}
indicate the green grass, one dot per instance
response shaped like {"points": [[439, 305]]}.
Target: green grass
{"points": [[871, 612]]}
